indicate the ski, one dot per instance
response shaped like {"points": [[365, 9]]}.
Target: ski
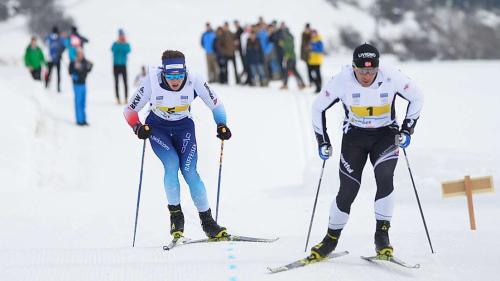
{"points": [[304, 262], [390, 259], [175, 242], [237, 238]]}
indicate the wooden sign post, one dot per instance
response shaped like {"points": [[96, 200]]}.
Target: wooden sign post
{"points": [[467, 187]]}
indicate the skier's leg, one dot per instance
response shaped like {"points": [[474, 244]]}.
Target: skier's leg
{"points": [[352, 161], [162, 146], [353, 157], [185, 142], [384, 157]]}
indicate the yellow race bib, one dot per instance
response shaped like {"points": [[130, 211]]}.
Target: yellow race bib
{"points": [[367, 111]]}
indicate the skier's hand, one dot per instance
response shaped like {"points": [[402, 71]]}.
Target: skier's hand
{"points": [[404, 139], [142, 131], [223, 132], [325, 150]]}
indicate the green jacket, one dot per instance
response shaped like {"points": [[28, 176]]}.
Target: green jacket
{"points": [[34, 57], [288, 47]]}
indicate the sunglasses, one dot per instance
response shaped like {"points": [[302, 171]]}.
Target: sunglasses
{"points": [[366, 70], [174, 76]]}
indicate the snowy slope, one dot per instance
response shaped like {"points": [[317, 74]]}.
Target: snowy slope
{"points": [[68, 194]]}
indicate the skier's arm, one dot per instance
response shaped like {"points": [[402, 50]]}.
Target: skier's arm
{"points": [[209, 97], [138, 100], [326, 99], [407, 89]]}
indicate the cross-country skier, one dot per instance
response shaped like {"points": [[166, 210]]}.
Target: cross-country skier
{"points": [[367, 93], [170, 90]]}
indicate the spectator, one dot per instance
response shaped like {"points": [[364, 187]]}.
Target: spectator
{"points": [[289, 60], [78, 69], [221, 59], [270, 63], [237, 35], [316, 59], [305, 50], [207, 42], [120, 49], [74, 42], [277, 38], [255, 60], [34, 59], [55, 43], [228, 47], [243, 41]]}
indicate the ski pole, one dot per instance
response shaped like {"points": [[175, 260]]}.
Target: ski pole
{"points": [[418, 201], [314, 208], [218, 184], [139, 192]]}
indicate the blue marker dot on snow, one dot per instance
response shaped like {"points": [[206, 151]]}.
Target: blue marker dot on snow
{"points": [[232, 266], [233, 278], [231, 257]]}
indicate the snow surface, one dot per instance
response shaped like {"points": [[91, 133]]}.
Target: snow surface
{"points": [[68, 194]]}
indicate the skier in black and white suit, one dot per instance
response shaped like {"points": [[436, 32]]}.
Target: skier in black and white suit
{"points": [[370, 128]]}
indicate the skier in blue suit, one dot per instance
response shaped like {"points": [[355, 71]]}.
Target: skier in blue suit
{"points": [[170, 90]]}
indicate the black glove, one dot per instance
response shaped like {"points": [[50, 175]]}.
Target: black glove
{"points": [[223, 132], [142, 131]]}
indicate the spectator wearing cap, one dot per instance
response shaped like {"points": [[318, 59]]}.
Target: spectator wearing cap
{"points": [[120, 50], [315, 59]]}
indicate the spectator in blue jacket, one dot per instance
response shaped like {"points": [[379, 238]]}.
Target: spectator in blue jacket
{"points": [[120, 49], [56, 45], [207, 42], [78, 69]]}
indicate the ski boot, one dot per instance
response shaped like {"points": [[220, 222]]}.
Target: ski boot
{"points": [[176, 221], [325, 247], [382, 245], [210, 227]]}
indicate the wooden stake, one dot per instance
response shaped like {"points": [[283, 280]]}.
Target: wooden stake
{"points": [[470, 205]]}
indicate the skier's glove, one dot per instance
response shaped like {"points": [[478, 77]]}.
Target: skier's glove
{"points": [[142, 131], [404, 139], [325, 150], [223, 132]]}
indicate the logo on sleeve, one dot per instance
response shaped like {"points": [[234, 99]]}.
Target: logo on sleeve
{"points": [[406, 87], [159, 98], [210, 93], [135, 101]]}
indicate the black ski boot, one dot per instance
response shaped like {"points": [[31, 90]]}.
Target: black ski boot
{"points": [[325, 247], [210, 227], [176, 221], [382, 245]]}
